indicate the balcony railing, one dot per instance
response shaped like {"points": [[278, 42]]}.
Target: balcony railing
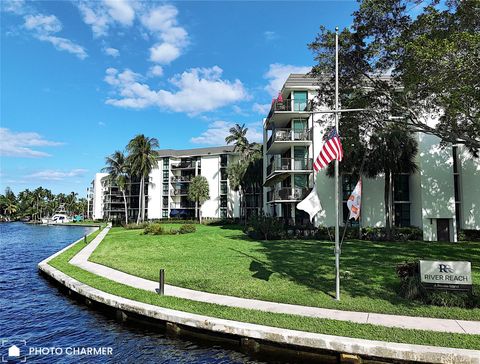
{"points": [[182, 205], [287, 194], [184, 165], [289, 135], [179, 191], [291, 105], [181, 178], [289, 164]]}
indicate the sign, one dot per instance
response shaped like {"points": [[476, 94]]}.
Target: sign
{"points": [[455, 276]]}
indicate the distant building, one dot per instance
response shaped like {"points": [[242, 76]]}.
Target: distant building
{"points": [[441, 198], [167, 188]]}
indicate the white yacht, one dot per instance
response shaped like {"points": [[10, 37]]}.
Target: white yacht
{"points": [[60, 217]]}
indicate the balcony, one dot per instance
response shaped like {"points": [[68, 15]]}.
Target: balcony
{"points": [[287, 194], [281, 111], [182, 205], [179, 192], [176, 179], [184, 165], [283, 138], [281, 168]]}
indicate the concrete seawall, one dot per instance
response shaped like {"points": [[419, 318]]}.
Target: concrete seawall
{"points": [[253, 335]]}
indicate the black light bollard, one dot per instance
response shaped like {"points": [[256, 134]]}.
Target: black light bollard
{"points": [[161, 282], [85, 239]]}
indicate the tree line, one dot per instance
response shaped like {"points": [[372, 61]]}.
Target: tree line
{"points": [[40, 202]]}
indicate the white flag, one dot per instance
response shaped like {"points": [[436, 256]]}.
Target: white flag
{"points": [[311, 204], [354, 201]]}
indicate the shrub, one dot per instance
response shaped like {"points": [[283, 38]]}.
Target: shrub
{"points": [[154, 229], [265, 227], [469, 235], [187, 228], [133, 226]]}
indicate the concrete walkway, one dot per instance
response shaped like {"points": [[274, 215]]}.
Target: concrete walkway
{"points": [[407, 322]]}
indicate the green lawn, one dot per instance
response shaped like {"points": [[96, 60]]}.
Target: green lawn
{"points": [[223, 260], [323, 326]]}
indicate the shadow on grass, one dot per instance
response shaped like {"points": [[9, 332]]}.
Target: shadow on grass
{"points": [[368, 267]]}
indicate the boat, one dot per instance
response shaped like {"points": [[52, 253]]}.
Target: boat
{"points": [[60, 217]]}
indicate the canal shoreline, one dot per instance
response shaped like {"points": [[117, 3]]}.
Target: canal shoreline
{"points": [[253, 337]]}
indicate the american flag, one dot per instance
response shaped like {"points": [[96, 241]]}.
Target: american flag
{"points": [[332, 149]]}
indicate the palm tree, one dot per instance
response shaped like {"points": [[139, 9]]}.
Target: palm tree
{"points": [[142, 158], [117, 169], [198, 192], [238, 136], [394, 151]]}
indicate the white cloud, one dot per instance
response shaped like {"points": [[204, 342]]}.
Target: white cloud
{"points": [[162, 22], [155, 71], [44, 26], [278, 73], [120, 11], [194, 91], [261, 108], [13, 6], [97, 18], [270, 35], [102, 124], [112, 52], [18, 144], [43, 23], [56, 175], [219, 130], [164, 53]]}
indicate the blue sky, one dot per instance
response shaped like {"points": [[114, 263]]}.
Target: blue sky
{"points": [[80, 79]]}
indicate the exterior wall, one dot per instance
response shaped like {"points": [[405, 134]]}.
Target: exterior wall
{"points": [[373, 202], [437, 188], [469, 190], [211, 171], [97, 213], [155, 193]]}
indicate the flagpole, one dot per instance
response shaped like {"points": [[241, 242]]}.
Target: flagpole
{"points": [[337, 215]]}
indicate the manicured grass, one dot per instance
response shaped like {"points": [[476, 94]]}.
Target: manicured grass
{"points": [[221, 259], [323, 326]]}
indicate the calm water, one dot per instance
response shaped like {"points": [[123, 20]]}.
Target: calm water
{"points": [[32, 309]]}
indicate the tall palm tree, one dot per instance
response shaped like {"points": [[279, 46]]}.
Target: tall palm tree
{"points": [[394, 151], [142, 158], [238, 136], [117, 169]]}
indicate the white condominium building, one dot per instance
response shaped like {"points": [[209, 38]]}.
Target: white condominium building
{"points": [[167, 188], [441, 198]]}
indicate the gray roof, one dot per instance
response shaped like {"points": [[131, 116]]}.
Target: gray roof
{"points": [[227, 149]]}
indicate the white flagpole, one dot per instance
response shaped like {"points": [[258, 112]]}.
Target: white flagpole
{"points": [[337, 214]]}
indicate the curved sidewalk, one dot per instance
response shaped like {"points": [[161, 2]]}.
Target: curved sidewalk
{"points": [[407, 322]]}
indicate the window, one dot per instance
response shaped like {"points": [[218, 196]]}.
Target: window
{"points": [[300, 100], [223, 187], [401, 200], [165, 175], [166, 163], [165, 213], [165, 188], [223, 201], [223, 160], [223, 213], [165, 202]]}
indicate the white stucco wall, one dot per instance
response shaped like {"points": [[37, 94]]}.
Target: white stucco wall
{"points": [[97, 213], [211, 171], [469, 189], [437, 191], [373, 202], [155, 193]]}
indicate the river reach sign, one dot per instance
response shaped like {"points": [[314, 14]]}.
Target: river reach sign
{"points": [[455, 276]]}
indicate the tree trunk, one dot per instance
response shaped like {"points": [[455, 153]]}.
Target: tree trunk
{"points": [[199, 212], [143, 199], [140, 201], [126, 209], [388, 202]]}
